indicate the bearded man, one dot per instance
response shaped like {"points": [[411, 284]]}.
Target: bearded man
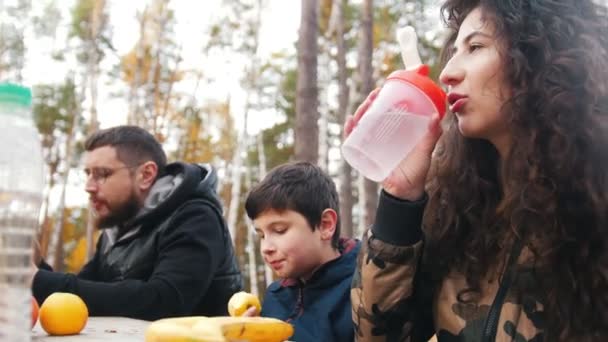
{"points": [[164, 250]]}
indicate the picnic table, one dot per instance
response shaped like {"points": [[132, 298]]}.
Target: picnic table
{"points": [[116, 329]]}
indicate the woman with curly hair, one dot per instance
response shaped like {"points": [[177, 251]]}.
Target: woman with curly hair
{"points": [[495, 227]]}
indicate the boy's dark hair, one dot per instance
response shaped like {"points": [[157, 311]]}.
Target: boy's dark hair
{"points": [[133, 145], [301, 187]]}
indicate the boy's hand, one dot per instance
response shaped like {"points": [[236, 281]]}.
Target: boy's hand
{"points": [[251, 312], [242, 302]]}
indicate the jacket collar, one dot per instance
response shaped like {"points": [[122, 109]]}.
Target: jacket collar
{"points": [[179, 182]]}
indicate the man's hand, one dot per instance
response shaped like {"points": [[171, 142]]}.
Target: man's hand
{"points": [[36, 255]]}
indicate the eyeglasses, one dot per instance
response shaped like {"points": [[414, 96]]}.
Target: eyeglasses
{"points": [[99, 175]]}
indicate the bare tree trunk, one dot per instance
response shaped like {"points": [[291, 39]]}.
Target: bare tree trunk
{"points": [[133, 115], [235, 193], [268, 275], [93, 71], [323, 139], [307, 131], [93, 60], [155, 66], [261, 155], [361, 204], [160, 73], [371, 201], [45, 229], [251, 79], [165, 110], [367, 85], [346, 187], [251, 254], [93, 74], [252, 257], [325, 79], [90, 234], [55, 250]]}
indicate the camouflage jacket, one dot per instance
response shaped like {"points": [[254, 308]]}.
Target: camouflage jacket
{"points": [[392, 301]]}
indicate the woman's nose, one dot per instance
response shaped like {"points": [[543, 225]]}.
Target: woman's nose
{"points": [[452, 74]]}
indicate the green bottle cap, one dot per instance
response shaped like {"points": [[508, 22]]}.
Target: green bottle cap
{"points": [[15, 94]]}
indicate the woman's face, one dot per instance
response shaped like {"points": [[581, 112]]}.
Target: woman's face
{"points": [[475, 78]]}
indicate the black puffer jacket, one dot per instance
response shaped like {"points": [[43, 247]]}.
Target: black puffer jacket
{"points": [[174, 258]]}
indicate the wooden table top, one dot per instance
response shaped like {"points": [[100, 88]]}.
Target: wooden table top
{"points": [[116, 329]]}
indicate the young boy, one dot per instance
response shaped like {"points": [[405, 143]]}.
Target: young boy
{"points": [[295, 211]]}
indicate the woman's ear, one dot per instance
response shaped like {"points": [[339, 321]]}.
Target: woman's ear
{"points": [[147, 175], [329, 219]]}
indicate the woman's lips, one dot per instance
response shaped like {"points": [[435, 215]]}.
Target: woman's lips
{"points": [[456, 101], [458, 105]]}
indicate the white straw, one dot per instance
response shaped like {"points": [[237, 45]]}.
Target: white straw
{"points": [[408, 41]]}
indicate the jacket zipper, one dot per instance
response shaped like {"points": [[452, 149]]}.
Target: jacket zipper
{"points": [[299, 305], [491, 325]]}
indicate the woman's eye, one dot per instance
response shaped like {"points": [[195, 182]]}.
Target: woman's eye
{"points": [[474, 47]]}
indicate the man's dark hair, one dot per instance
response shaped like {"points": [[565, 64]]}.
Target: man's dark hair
{"points": [[133, 145], [301, 187]]}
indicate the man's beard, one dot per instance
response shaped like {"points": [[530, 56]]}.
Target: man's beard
{"points": [[120, 215]]}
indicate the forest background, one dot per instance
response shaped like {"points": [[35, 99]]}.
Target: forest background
{"points": [[244, 85]]}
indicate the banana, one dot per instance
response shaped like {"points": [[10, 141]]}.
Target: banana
{"points": [[252, 329], [173, 329], [165, 331], [218, 329], [241, 301]]}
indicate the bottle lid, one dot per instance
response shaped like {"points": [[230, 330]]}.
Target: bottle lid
{"points": [[15, 94], [419, 78]]}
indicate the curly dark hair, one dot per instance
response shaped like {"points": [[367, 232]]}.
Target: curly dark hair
{"points": [[551, 190]]}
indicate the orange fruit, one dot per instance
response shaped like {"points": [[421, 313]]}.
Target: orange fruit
{"points": [[241, 301], [35, 309], [63, 314]]}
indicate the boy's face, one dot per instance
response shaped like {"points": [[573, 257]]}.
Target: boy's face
{"points": [[290, 246]]}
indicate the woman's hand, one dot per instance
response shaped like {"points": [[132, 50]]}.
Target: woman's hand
{"points": [[409, 177]]}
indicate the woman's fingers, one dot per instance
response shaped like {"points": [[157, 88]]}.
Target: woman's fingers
{"points": [[352, 120], [349, 124], [365, 105], [433, 133]]}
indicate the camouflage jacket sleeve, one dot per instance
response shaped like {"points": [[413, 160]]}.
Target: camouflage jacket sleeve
{"points": [[385, 305]]}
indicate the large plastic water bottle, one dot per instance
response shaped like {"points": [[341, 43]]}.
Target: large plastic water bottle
{"points": [[21, 186]]}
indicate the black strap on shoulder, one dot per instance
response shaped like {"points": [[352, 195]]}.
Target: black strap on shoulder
{"points": [[491, 325]]}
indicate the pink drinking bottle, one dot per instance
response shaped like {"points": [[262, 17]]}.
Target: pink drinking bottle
{"points": [[397, 119]]}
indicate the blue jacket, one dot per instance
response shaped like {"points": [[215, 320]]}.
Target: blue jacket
{"points": [[319, 310]]}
